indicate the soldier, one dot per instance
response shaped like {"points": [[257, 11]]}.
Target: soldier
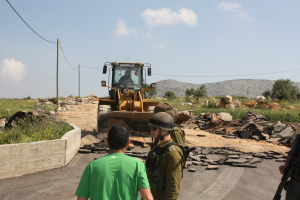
{"points": [[293, 158], [177, 134], [165, 161]]}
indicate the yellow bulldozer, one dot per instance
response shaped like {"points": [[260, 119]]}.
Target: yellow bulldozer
{"points": [[126, 104]]}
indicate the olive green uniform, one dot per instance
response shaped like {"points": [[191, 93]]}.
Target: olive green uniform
{"points": [[293, 185], [164, 171]]}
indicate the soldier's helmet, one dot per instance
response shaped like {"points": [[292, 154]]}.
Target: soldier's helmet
{"points": [[162, 120]]}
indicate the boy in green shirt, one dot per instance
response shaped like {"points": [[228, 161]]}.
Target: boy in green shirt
{"points": [[115, 176]]}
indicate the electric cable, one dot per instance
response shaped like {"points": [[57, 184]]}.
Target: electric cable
{"points": [[230, 75], [65, 57], [28, 25], [92, 67]]}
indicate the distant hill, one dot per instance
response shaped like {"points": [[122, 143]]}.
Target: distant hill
{"points": [[242, 87]]}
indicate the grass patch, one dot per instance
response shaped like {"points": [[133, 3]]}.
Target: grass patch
{"points": [[11, 106], [34, 129], [31, 129]]}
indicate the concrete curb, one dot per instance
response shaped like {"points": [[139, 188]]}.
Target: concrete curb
{"points": [[25, 158]]}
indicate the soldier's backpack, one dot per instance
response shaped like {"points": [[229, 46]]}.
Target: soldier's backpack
{"points": [[178, 135]]}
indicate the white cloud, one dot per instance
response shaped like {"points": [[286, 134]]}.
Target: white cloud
{"points": [[234, 8], [12, 71], [122, 29], [168, 17]]}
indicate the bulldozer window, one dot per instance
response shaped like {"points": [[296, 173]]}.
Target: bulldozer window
{"points": [[130, 77]]}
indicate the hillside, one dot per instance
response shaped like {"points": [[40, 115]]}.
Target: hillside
{"points": [[242, 87]]}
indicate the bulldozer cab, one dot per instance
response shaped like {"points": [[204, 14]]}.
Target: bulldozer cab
{"points": [[126, 97], [129, 76]]}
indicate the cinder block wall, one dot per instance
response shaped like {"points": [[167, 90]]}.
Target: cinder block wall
{"points": [[26, 158]]}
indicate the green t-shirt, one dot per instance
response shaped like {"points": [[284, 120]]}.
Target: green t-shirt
{"points": [[114, 176]]}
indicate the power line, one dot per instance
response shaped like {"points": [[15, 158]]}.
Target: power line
{"points": [[230, 75], [65, 57], [27, 24], [92, 67]]}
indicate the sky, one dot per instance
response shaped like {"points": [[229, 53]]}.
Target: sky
{"points": [[192, 41]]}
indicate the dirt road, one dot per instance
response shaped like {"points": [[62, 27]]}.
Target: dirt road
{"points": [[85, 117]]}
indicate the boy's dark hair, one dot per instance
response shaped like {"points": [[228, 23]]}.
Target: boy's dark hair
{"points": [[117, 137]]}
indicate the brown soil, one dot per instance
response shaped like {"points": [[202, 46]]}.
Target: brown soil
{"points": [[85, 117]]}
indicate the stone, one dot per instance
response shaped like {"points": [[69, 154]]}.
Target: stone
{"points": [[255, 160], [196, 158], [212, 167], [196, 163], [238, 161], [192, 170], [89, 140], [84, 151]]}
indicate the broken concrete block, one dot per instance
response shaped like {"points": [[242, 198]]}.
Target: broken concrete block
{"points": [[285, 133]]}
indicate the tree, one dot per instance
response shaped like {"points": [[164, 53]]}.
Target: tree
{"points": [[170, 95], [267, 94], [200, 92], [189, 92], [149, 93], [283, 89]]}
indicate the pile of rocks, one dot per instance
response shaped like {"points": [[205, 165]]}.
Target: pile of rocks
{"points": [[252, 126], [255, 126]]}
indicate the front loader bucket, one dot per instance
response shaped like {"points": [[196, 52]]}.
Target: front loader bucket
{"points": [[135, 121]]}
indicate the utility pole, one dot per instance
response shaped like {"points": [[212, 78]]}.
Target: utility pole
{"points": [[57, 74], [247, 92], [79, 79]]}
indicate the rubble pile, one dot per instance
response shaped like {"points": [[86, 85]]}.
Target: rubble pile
{"points": [[67, 103], [255, 126], [209, 157], [252, 126]]}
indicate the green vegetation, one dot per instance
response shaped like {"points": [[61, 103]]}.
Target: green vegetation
{"points": [[35, 129], [283, 89], [290, 115], [11, 106], [30, 129], [149, 93], [200, 92], [170, 95]]}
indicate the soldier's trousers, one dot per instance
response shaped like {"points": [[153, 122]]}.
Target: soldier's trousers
{"points": [[293, 190]]}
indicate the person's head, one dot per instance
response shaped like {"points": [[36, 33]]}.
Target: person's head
{"points": [[118, 137], [161, 123], [127, 73]]}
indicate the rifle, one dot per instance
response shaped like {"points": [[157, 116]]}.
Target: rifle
{"points": [[286, 175]]}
